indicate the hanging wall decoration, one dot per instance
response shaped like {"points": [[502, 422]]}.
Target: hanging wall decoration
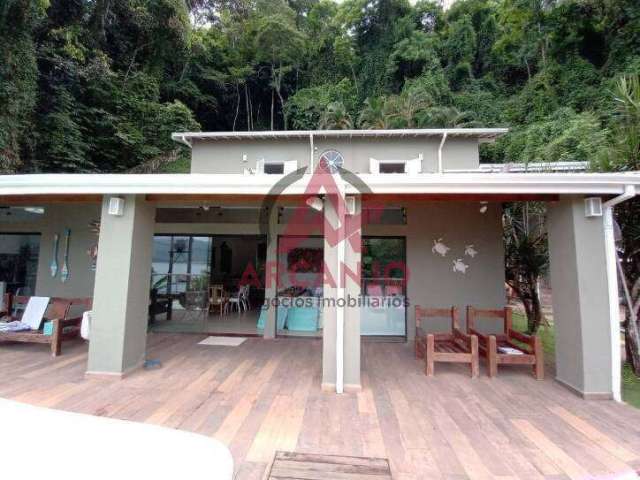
{"points": [[53, 267], [460, 266], [64, 274], [440, 248], [470, 251], [92, 252]]}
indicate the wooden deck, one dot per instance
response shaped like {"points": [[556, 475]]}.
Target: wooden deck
{"points": [[265, 396]]}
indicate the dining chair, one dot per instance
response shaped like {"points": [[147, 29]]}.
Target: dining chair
{"points": [[217, 299]]}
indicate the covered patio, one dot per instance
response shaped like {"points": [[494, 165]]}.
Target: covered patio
{"points": [[265, 395]]}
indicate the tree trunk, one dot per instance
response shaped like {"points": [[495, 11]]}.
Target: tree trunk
{"points": [[235, 117], [632, 330], [246, 104], [284, 115], [528, 295], [273, 100]]}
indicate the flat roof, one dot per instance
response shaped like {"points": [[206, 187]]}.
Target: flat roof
{"points": [[482, 134], [240, 184]]}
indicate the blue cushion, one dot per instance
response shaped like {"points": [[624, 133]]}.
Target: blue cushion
{"points": [[282, 317], [302, 319], [262, 318]]}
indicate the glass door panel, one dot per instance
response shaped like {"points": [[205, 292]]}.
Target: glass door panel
{"points": [[383, 286]]}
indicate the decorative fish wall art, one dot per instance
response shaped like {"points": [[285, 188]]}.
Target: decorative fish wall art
{"points": [[53, 266], [64, 274]]}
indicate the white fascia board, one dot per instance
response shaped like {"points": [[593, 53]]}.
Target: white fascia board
{"points": [[501, 183], [239, 184], [184, 184], [482, 133]]}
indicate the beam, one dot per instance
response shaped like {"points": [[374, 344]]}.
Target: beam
{"points": [[221, 200], [35, 200], [459, 197]]}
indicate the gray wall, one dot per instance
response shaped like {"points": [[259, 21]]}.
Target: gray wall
{"points": [[432, 281], [226, 156], [55, 220], [580, 298]]}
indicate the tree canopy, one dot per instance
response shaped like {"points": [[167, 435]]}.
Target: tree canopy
{"points": [[99, 85]]}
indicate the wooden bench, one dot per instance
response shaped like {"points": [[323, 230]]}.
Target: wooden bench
{"points": [[529, 347], [451, 347], [64, 327]]}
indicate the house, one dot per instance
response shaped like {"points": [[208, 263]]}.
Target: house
{"points": [[338, 234]]}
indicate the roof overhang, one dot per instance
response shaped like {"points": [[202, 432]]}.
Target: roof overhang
{"points": [[482, 134], [184, 185]]}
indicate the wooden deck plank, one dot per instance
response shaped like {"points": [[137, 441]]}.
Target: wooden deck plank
{"points": [[300, 466], [265, 395]]}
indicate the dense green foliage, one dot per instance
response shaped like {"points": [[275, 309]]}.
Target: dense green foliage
{"points": [[98, 85]]}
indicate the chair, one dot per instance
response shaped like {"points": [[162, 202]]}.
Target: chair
{"points": [[217, 299], [239, 299], [245, 297], [196, 305], [509, 347], [449, 347], [62, 327]]}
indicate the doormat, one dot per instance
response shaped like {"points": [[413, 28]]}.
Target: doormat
{"points": [[223, 341], [294, 466]]}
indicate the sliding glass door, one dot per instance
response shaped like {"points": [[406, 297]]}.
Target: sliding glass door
{"points": [[383, 286]]}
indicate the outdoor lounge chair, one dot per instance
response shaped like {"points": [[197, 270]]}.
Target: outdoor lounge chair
{"points": [[57, 312], [450, 347], [509, 347]]}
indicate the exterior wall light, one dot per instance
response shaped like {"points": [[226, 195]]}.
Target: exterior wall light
{"points": [[592, 207], [116, 206]]}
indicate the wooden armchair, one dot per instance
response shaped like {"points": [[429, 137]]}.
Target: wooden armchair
{"points": [[451, 347], [509, 347], [63, 327]]}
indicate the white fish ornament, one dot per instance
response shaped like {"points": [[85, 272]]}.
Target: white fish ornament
{"points": [[460, 266], [470, 250], [440, 248]]}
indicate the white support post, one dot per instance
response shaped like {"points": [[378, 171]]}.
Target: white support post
{"points": [[614, 304]]}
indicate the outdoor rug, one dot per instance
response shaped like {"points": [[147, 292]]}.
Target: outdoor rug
{"points": [[223, 341], [294, 466]]}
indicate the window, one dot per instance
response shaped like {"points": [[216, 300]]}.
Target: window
{"points": [[19, 262], [392, 167], [411, 167], [274, 168]]}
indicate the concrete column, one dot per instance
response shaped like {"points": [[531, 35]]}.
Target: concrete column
{"points": [[270, 274], [121, 294], [353, 284], [333, 271], [585, 357]]}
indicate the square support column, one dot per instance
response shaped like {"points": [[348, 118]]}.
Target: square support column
{"points": [[345, 265], [587, 338], [271, 271], [121, 293]]}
